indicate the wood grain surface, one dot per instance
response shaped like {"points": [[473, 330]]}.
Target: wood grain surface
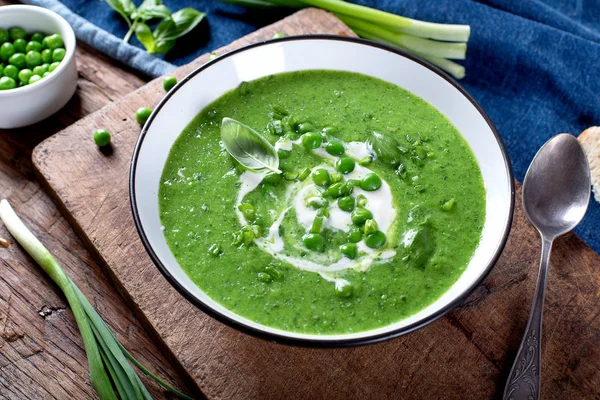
{"points": [[464, 355], [41, 353]]}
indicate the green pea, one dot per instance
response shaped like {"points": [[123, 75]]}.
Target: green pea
{"points": [[340, 189], [33, 59], [335, 148], [1, 70], [39, 70], [349, 250], [375, 240], [169, 82], [305, 127], [33, 46], [20, 45], [4, 36], [7, 83], [213, 56], [58, 55], [53, 66], [370, 226], [361, 200], [34, 78], [247, 211], [46, 74], [37, 37], [278, 35], [345, 165], [102, 137], [24, 76], [449, 205], [360, 215], [321, 177], [343, 288], [355, 234], [215, 250], [17, 33], [313, 241], [54, 41], [346, 203], [336, 190], [347, 189], [335, 177], [304, 174], [311, 140], [290, 176], [142, 114], [18, 60], [11, 71], [370, 182], [6, 51], [46, 56]]}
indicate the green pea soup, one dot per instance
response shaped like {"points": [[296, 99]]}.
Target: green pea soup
{"points": [[361, 228]]}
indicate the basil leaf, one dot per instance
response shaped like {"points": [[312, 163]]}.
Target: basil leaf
{"points": [[165, 29], [386, 148], [163, 46], [248, 147], [146, 13], [144, 35], [124, 7], [180, 23]]}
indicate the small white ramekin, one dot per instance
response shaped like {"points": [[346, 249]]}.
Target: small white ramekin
{"points": [[32, 103]]}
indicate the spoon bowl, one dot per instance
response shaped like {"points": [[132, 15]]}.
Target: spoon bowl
{"points": [[556, 190]]}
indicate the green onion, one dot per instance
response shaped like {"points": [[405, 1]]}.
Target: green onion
{"points": [[111, 374], [436, 43]]}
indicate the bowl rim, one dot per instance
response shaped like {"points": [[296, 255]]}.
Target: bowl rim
{"points": [[63, 64], [306, 342]]}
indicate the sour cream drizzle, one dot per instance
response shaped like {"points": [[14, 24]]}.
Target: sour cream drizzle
{"points": [[379, 202]]}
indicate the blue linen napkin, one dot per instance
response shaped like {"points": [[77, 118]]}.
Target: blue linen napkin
{"points": [[534, 65]]}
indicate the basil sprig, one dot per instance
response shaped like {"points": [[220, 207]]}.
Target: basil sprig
{"points": [[248, 147], [169, 29]]}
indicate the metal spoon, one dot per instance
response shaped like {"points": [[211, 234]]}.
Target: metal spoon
{"points": [[556, 193]]}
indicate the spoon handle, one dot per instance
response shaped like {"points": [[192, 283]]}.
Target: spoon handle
{"points": [[524, 379]]}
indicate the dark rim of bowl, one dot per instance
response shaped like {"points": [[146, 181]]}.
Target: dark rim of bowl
{"points": [[305, 342]]}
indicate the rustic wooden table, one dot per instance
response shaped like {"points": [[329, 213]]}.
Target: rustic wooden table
{"points": [[41, 353]]}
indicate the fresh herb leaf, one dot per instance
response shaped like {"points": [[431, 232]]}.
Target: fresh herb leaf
{"points": [[124, 7], [144, 35], [148, 12], [185, 20], [248, 147], [386, 148], [162, 35]]}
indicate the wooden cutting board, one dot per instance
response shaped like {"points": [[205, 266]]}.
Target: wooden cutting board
{"points": [[464, 355]]}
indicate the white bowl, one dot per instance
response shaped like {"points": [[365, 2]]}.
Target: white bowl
{"points": [[32, 103], [211, 80]]}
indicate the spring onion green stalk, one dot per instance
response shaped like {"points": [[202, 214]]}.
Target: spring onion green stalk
{"points": [[111, 374], [437, 43]]}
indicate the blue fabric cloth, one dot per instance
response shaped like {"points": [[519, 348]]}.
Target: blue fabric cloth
{"points": [[534, 65]]}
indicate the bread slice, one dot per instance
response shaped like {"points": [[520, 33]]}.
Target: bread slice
{"points": [[590, 140]]}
